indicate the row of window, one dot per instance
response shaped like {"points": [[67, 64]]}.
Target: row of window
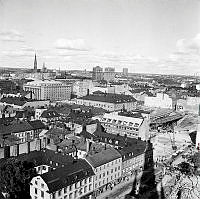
{"points": [[74, 194], [104, 173]]}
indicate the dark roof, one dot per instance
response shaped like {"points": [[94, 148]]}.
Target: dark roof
{"points": [[110, 98], [43, 158], [37, 124], [130, 114], [15, 127], [103, 157], [84, 133], [50, 114], [67, 175]]}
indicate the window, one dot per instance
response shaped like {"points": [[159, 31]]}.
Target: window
{"points": [[111, 170], [59, 193], [35, 190], [70, 187], [85, 181], [70, 196], [36, 182], [100, 176], [65, 190], [118, 167], [90, 187], [42, 194], [90, 179], [85, 189], [107, 172], [99, 183]]}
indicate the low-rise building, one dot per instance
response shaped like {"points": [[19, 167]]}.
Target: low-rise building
{"points": [[107, 101], [74, 180], [162, 100]]}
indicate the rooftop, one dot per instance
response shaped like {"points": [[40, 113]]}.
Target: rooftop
{"points": [[103, 157], [110, 98], [67, 175]]}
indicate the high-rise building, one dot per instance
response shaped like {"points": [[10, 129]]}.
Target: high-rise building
{"points": [[35, 64], [109, 74], [125, 71], [97, 73]]}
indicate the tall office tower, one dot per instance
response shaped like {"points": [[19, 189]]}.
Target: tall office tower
{"points": [[109, 74], [97, 73], [125, 71], [35, 64]]}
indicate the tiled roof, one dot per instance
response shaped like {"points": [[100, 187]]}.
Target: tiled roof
{"points": [[67, 175], [110, 98], [37, 124], [103, 157], [15, 127], [43, 158]]}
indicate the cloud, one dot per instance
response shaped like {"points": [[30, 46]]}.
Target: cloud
{"points": [[11, 35], [74, 44], [189, 45], [19, 53]]}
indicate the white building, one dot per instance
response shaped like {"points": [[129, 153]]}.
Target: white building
{"points": [[71, 181], [160, 101], [107, 166], [82, 87], [52, 90], [134, 126], [108, 101]]}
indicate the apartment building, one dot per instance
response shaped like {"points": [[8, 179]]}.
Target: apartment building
{"points": [[107, 168]]}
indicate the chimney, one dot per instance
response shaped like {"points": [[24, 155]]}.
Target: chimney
{"points": [[17, 147], [40, 146], [88, 145], [28, 147], [6, 151]]}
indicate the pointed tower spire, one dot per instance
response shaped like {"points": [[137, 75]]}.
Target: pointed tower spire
{"points": [[35, 63]]}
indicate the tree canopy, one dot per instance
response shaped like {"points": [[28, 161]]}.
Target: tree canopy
{"points": [[15, 177]]}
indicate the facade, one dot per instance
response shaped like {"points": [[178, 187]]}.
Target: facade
{"points": [[190, 104], [107, 168], [81, 88], [125, 72], [109, 74], [49, 90], [160, 101], [132, 125], [73, 180], [107, 101], [97, 73]]}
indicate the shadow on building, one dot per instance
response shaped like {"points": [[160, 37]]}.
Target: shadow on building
{"points": [[145, 187]]}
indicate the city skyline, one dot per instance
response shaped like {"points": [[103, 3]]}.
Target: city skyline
{"points": [[147, 36]]}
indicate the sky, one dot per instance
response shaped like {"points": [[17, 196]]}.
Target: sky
{"points": [[145, 36]]}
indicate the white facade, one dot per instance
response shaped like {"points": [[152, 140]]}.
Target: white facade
{"points": [[160, 101], [132, 127], [80, 88], [107, 173], [52, 90], [107, 105], [40, 190]]}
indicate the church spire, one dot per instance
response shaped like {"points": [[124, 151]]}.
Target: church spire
{"points": [[35, 63]]}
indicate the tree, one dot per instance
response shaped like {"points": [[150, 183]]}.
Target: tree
{"points": [[15, 177], [185, 168]]}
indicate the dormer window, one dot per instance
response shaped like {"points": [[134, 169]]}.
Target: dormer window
{"points": [[136, 125]]}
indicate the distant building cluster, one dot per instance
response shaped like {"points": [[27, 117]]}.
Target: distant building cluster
{"points": [[87, 132]]}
